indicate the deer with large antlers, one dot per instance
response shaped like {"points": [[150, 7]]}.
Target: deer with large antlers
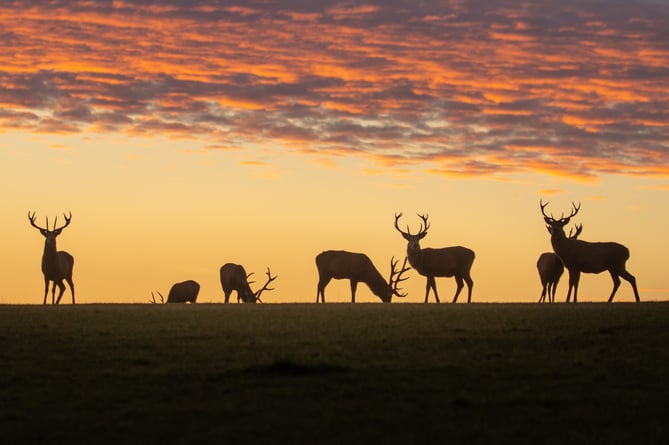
{"points": [[235, 278], [585, 257], [56, 265], [358, 268], [550, 269], [455, 261]]}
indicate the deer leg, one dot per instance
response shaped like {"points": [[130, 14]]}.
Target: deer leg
{"points": [[470, 287], [630, 278], [46, 288], [431, 285], [227, 296], [71, 283], [616, 284], [61, 290], [459, 283], [53, 293], [574, 276], [322, 282], [354, 286]]}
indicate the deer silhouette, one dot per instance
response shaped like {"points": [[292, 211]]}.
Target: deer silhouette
{"points": [[585, 257], [550, 270], [358, 268], [183, 292], [56, 265], [235, 278], [455, 261]]}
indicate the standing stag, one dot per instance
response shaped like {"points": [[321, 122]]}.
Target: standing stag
{"points": [[453, 261], [582, 256], [550, 270], [56, 266], [235, 278], [183, 292], [358, 268]]}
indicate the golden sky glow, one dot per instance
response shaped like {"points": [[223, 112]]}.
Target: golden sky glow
{"points": [[458, 102]]}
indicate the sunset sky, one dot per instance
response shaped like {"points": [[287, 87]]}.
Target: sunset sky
{"points": [[185, 134]]}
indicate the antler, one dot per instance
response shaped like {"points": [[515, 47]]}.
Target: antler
{"points": [[423, 227], [579, 228], [153, 298], [31, 218], [395, 283], [563, 219], [270, 278]]}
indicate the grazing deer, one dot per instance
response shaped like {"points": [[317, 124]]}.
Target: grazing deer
{"points": [[56, 265], [582, 256], [184, 292], [550, 270], [453, 261], [234, 277], [357, 267]]}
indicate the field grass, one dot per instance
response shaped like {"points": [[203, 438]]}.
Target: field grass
{"points": [[335, 373]]}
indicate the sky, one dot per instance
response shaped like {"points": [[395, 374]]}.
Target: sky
{"points": [[184, 134]]}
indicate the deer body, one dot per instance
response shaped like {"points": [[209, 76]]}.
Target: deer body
{"points": [[550, 270], [184, 292], [56, 265], [453, 261], [357, 268], [234, 278], [581, 256]]}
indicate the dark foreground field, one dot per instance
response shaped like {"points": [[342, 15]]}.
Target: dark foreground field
{"points": [[338, 373]]}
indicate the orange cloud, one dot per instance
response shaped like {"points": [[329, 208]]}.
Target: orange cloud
{"points": [[448, 86]]}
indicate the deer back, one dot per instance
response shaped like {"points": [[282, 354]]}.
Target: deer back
{"points": [[184, 292], [592, 257], [443, 262], [234, 278], [341, 264], [550, 267]]}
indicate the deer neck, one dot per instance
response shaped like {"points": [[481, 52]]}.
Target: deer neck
{"points": [[415, 255], [559, 240], [50, 255], [377, 284]]}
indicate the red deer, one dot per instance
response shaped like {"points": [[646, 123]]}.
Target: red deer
{"points": [[586, 257], [56, 265], [550, 270], [358, 268], [183, 292], [235, 278], [453, 261]]}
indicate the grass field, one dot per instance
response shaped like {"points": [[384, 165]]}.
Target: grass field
{"points": [[335, 373]]}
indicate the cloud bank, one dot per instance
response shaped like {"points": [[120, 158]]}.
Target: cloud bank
{"points": [[468, 88]]}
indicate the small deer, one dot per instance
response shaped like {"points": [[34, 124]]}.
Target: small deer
{"points": [[357, 267], [582, 256], [550, 270], [183, 292], [453, 261], [56, 265], [235, 278]]}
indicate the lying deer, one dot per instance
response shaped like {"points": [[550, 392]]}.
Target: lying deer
{"points": [[184, 292]]}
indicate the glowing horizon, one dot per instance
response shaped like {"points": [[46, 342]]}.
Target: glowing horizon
{"points": [[323, 120]]}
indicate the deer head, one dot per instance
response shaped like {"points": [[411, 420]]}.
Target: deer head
{"points": [[413, 239], [556, 226], [50, 235]]}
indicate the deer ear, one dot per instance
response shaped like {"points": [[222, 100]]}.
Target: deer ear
{"points": [[548, 220], [422, 235], [406, 236]]}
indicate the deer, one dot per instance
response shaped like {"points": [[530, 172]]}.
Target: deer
{"points": [[183, 292], [56, 265], [550, 270], [235, 278], [587, 257], [358, 268], [455, 261]]}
